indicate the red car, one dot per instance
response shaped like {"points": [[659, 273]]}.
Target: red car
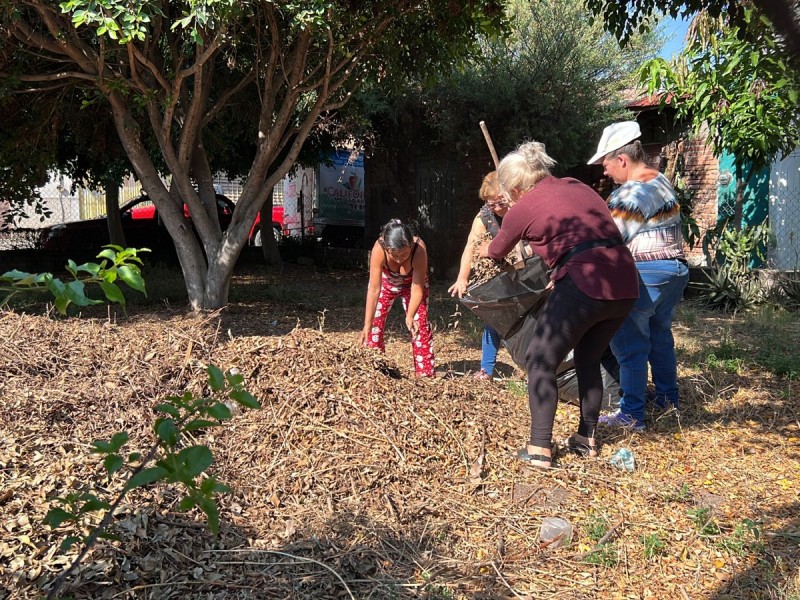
{"points": [[277, 227], [140, 223], [147, 210]]}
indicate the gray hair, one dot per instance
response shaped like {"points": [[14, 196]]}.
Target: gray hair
{"points": [[634, 150], [524, 167]]}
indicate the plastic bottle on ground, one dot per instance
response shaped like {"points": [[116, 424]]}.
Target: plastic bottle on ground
{"points": [[624, 460], [556, 532]]}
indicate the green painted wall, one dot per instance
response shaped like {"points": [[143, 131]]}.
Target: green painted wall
{"points": [[755, 208]]}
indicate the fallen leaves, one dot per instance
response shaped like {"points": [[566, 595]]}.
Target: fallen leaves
{"points": [[356, 465]]}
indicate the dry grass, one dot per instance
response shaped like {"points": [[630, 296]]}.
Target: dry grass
{"points": [[356, 480]]}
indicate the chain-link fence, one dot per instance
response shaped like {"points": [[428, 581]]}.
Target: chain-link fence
{"points": [[771, 197], [784, 213]]}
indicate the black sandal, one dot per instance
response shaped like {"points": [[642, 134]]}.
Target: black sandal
{"points": [[526, 457], [571, 444]]}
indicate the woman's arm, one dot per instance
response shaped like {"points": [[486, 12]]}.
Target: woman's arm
{"points": [[460, 286], [418, 279], [376, 261], [510, 233]]}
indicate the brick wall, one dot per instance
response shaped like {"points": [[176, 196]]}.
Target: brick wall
{"points": [[700, 174]]}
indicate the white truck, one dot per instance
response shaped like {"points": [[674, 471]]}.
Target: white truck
{"points": [[326, 202]]}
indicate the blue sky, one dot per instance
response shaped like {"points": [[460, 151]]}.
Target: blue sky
{"points": [[675, 30]]}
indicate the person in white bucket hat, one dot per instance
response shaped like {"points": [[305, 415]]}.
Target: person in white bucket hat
{"points": [[615, 137], [647, 213]]}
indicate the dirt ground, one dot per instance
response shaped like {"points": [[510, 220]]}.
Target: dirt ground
{"points": [[356, 480]]}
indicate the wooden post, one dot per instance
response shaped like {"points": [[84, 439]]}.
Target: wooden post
{"points": [[489, 143]]}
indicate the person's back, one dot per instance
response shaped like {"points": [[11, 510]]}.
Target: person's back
{"points": [[558, 215], [591, 291]]}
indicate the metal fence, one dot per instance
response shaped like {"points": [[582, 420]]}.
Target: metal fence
{"points": [[67, 204], [784, 213], [771, 197]]}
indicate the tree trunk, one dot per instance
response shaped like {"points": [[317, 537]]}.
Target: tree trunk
{"points": [[738, 203], [113, 216]]}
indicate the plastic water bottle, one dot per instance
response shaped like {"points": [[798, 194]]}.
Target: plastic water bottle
{"points": [[552, 528], [623, 460]]}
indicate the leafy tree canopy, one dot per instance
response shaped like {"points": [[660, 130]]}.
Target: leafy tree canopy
{"points": [[623, 19], [734, 86], [555, 77], [180, 76]]}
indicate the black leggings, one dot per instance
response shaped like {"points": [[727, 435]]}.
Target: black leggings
{"points": [[570, 319]]}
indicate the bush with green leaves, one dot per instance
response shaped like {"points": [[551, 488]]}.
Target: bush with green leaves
{"points": [[171, 459], [732, 284], [118, 265]]}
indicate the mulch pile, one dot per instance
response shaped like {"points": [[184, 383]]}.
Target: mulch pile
{"points": [[356, 480], [484, 269]]}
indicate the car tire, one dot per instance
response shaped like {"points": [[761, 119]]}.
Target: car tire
{"points": [[275, 231]]}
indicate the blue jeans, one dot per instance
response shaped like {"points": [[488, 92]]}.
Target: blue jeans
{"points": [[490, 344], [646, 337]]}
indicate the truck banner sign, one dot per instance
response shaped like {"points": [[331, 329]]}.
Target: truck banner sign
{"points": [[341, 189]]}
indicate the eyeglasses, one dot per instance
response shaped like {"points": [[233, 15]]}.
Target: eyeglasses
{"points": [[499, 202]]}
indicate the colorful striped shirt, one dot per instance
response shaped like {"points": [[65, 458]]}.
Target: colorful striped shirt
{"points": [[649, 218]]}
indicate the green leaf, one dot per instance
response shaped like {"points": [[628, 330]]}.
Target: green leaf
{"points": [[76, 292], [210, 485], [94, 504], [113, 463], [112, 292], [209, 507], [166, 431], [219, 411], [215, 378], [56, 516], [196, 424], [107, 253], [245, 398], [187, 503], [168, 409], [146, 477], [234, 379], [69, 542], [132, 277], [101, 446], [118, 440], [196, 459], [20, 277]]}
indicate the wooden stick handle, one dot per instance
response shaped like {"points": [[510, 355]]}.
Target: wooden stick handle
{"points": [[489, 143]]}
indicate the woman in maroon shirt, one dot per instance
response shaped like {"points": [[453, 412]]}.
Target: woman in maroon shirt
{"points": [[594, 285]]}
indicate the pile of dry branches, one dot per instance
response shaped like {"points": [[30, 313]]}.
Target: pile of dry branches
{"points": [[355, 480]]}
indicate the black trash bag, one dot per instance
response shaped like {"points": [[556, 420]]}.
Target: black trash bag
{"points": [[510, 302], [566, 377], [504, 301], [567, 380]]}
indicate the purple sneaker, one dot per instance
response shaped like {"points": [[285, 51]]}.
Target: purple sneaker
{"points": [[620, 419]]}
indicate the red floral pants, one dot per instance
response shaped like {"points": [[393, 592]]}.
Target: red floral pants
{"points": [[422, 343]]}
